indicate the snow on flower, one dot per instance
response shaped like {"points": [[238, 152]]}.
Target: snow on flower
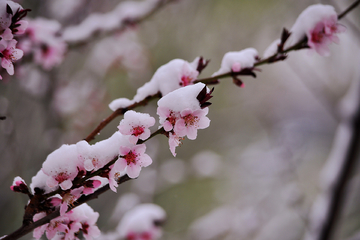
{"points": [[19, 185], [319, 24], [7, 11], [86, 216], [61, 166], [142, 223], [136, 125], [38, 183], [175, 74], [94, 157], [236, 61], [9, 54], [182, 112]]}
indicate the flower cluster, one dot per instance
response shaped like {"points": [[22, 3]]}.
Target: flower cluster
{"points": [[11, 24], [319, 24], [75, 170], [43, 41], [181, 114], [68, 226]]}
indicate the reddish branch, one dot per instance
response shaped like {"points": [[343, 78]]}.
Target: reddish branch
{"points": [[117, 113]]}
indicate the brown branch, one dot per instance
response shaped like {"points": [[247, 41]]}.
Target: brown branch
{"points": [[117, 113], [338, 194], [350, 8]]}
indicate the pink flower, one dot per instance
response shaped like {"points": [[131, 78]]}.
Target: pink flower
{"points": [[323, 34], [132, 159], [91, 185], [191, 121], [61, 166], [46, 44], [136, 125], [88, 222], [174, 141], [58, 224], [188, 74], [50, 54], [9, 54], [168, 118], [67, 200], [183, 111], [7, 34]]}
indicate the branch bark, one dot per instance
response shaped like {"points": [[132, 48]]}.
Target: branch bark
{"points": [[326, 209]]}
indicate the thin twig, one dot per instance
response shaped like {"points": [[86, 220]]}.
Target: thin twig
{"points": [[117, 113]]}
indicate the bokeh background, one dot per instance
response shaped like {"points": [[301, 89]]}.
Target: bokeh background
{"points": [[253, 174]]}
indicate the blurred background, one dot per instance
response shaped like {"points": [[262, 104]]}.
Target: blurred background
{"points": [[253, 174]]}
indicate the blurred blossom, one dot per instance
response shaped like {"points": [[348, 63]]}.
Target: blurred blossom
{"points": [[145, 185], [173, 171], [125, 202], [213, 225], [124, 49], [68, 7], [206, 164], [142, 223], [33, 80]]}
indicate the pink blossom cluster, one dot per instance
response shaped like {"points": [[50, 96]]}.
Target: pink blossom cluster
{"points": [[181, 113], [142, 223], [319, 24], [73, 162], [11, 25], [68, 226], [43, 40], [71, 168]]}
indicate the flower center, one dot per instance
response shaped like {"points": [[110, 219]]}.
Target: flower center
{"points": [[190, 120], [138, 131], [317, 37], [130, 158], [171, 119], [185, 80], [61, 177]]}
